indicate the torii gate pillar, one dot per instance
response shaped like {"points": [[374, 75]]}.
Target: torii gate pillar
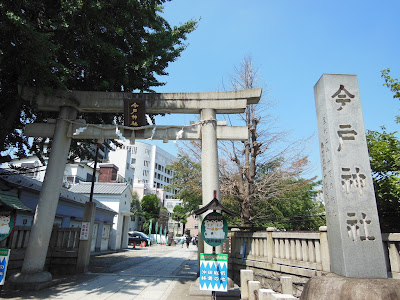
{"points": [[35, 257], [209, 166]]}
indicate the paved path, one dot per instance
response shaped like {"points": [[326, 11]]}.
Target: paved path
{"points": [[166, 273]]}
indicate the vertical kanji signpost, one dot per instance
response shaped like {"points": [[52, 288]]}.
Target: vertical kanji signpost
{"points": [[355, 242]]}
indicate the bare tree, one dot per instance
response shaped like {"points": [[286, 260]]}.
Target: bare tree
{"points": [[262, 168], [257, 169]]}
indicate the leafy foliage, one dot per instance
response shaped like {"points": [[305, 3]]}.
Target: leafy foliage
{"points": [[187, 182], [384, 152], [296, 209], [393, 84], [91, 45], [179, 214], [135, 205], [150, 207]]}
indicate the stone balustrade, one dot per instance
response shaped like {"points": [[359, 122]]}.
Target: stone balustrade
{"points": [[297, 253], [301, 253], [391, 242]]}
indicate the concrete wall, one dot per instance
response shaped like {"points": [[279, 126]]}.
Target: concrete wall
{"points": [[120, 203]]}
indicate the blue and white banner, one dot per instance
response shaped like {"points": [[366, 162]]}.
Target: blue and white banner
{"points": [[4, 256], [214, 272]]}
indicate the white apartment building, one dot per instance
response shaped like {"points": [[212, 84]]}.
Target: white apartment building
{"points": [[144, 167]]}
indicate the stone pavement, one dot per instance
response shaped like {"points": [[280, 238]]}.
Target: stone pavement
{"points": [[157, 272]]}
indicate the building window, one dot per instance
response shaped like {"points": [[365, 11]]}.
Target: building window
{"points": [[133, 161], [89, 177], [147, 152]]}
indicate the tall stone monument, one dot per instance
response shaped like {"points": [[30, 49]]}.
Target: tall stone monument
{"points": [[355, 242]]}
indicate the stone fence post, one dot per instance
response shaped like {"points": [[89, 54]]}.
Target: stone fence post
{"points": [[232, 253], [245, 277], [325, 257], [287, 285], [270, 244], [254, 286]]}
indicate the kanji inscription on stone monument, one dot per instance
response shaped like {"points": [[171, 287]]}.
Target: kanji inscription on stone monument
{"points": [[355, 241]]}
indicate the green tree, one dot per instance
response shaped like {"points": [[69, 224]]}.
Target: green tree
{"points": [[295, 209], [186, 181], [96, 45], [180, 215], [384, 152], [393, 84], [150, 207], [135, 205]]}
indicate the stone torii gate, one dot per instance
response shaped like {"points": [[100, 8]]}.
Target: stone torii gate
{"points": [[66, 127]]}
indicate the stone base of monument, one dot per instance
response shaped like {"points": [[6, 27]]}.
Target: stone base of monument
{"points": [[30, 281], [232, 293], [337, 287]]}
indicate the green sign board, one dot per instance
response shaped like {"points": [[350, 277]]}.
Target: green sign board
{"points": [[214, 229]]}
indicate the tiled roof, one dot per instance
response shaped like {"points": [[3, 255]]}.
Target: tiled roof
{"points": [[33, 184], [106, 188], [11, 200]]}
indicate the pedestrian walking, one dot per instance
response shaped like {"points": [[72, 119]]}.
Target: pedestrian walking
{"points": [[188, 239]]}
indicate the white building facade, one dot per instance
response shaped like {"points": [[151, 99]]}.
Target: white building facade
{"points": [[117, 196], [144, 167]]}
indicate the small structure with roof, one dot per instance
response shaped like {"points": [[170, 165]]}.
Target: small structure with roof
{"points": [[117, 196]]}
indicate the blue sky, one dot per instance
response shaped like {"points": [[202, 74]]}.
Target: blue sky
{"points": [[293, 43]]}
